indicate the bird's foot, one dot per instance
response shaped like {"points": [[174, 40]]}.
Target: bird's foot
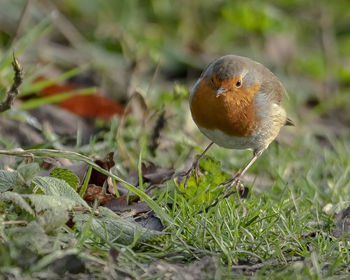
{"points": [[240, 188], [195, 167], [229, 183]]}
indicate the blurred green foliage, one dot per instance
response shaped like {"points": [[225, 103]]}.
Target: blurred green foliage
{"points": [[305, 42]]}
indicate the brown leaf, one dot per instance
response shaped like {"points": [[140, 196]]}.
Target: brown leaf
{"points": [[150, 221], [156, 175], [98, 193], [97, 177], [120, 205], [92, 105], [19, 133], [140, 211], [342, 222], [159, 126]]}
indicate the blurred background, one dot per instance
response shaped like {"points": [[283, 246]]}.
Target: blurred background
{"points": [[157, 48]]}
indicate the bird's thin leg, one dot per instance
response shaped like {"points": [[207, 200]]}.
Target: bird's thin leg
{"points": [[235, 180], [239, 174], [195, 165]]}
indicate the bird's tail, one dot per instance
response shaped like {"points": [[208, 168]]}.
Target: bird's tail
{"points": [[289, 122]]}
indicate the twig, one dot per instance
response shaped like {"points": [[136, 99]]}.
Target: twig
{"points": [[160, 124], [20, 23], [14, 222], [272, 263], [13, 92]]}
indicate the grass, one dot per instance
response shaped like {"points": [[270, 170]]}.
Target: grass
{"points": [[289, 220], [286, 232]]}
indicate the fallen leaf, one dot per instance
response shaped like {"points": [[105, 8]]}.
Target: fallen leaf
{"points": [[159, 126], [120, 205], [342, 223], [141, 213], [150, 221], [107, 163], [92, 105], [98, 193], [69, 263], [156, 175], [95, 190], [19, 133]]}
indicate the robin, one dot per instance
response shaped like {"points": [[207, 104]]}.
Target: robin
{"points": [[236, 103]]}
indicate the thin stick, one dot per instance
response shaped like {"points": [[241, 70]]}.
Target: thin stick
{"points": [[13, 92], [20, 23], [271, 263], [195, 165]]}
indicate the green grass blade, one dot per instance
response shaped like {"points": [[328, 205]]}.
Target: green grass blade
{"points": [[37, 102], [86, 182], [32, 88]]}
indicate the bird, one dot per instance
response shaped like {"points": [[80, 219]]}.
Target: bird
{"points": [[237, 104]]}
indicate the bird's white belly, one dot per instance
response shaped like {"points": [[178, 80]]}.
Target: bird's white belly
{"points": [[228, 141], [273, 119]]}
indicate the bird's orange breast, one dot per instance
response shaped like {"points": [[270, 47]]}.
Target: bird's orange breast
{"points": [[232, 112]]}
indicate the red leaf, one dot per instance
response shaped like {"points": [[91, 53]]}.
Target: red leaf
{"points": [[92, 105]]}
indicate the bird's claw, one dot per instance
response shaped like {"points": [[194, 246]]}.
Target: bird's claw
{"points": [[195, 167], [240, 188], [236, 179]]}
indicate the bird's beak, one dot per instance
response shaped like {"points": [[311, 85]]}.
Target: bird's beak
{"points": [[220, 91]]}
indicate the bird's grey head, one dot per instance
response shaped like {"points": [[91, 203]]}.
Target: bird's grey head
{"points": [[230, 66]]}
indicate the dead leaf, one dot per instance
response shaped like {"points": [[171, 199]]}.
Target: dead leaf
{"points": [[114, 256], [342, 222], [120, 205], [141, 213], [69, 263], [98, 193], [92, 105], [150, 220], [156, 175], [97, 177], [159, 126], [19, 133]]}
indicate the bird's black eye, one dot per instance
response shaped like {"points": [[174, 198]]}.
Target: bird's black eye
{"points": [[239, 83]]}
